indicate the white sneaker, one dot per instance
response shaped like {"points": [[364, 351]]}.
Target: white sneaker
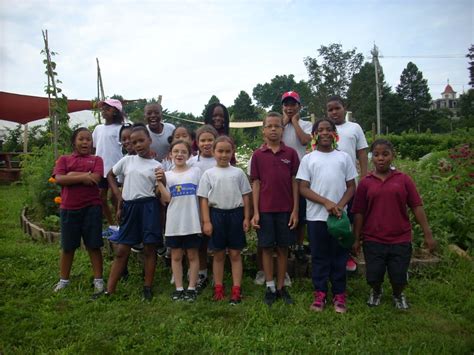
{"points": [[60, 285], [287, 281], [259, 278], [99, 286]]}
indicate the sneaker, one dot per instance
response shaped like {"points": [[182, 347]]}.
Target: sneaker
{"points": [[299, 252], [147, 294], [99, 286], [400, 302], [285, 296], [201, 283], [319, 301], [259, 278], [137, 248], [190, 295], [339, 302], [374, 298], [270, 297], [60, 286], [287, 281], [351, 265], [161, 252], [235, 297], [177, 295], [219, 294]]}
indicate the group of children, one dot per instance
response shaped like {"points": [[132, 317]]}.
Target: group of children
{"points": [[190, 190]]}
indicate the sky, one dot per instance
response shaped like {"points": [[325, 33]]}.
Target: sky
{"points": [[188, 51]]}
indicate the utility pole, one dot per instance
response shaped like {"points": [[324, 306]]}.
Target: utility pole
{"points": [[375, 59]]}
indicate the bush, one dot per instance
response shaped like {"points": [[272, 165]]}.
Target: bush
{"points": [[445, 180], [42, 191]]}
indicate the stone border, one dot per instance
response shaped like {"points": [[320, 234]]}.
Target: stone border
{"points": [[35, 231]]}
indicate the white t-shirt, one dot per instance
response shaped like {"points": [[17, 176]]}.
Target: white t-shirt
{"points": [[203, 163], [139, 176], [224, 187], [291, 139], [106, 141], [182, 216], [327, 174], [351, 139], [159, 141]]}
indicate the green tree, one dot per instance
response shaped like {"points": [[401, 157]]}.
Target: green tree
{"points": [[414, 92], [268, 95], [332, 75], [243, 109], [213, 100]]}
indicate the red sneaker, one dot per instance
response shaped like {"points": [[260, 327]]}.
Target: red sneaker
{"points": [[319, 301], [219, 292], [339, 302], [235, 297], [351, 265]]}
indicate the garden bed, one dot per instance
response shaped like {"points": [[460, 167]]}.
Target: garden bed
{"points": [[35, 231]]}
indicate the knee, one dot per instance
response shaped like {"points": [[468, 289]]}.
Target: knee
{"points": [[235, 256], [149, 251]]}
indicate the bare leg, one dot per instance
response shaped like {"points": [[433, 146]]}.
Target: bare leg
{"points": [[177, 266], [97, 262], [120, 261], [193, 257], [282, 263], [218, 267], [259, 259], [105, 207], [237, 267], [65, 264], [150, 263], [267, 261], [203, 254]]}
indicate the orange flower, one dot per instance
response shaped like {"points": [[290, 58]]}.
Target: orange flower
{"points": [[57, 200], [52, 180]]}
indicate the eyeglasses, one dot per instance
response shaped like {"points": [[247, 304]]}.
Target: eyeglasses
{"points": [[270, 126]]}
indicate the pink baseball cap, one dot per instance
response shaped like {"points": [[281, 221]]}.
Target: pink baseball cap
{"points": [[112, 102], [291, 94]]}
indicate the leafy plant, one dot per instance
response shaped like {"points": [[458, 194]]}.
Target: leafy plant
{"points": [[51, 223]]}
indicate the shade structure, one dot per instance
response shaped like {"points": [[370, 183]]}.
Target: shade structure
{"points": [[23, 108]]}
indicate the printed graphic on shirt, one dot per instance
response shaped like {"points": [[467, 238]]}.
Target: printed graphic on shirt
{"points": [[183, 190]]}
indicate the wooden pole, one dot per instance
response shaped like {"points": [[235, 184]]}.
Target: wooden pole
{"points": [[159, 99], [25, 139], [313, 118]]}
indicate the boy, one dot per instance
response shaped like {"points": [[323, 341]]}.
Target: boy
{"points": [[159, 131], [297, 135], [275, 200]]}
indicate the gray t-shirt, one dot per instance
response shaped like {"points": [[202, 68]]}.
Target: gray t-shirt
{"points": [[159, 141], [224, 187]]}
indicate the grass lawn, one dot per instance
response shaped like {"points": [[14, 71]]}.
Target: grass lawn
{"points": [[34, 320]]}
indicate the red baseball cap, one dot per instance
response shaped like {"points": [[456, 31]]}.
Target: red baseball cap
{"points": [[292, 95]]}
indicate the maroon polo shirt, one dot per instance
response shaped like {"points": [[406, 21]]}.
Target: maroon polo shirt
{"points": [[74, 197], [384, 206], [275, 172]]}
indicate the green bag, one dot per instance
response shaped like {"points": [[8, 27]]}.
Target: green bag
{"points": [[340, 228]]}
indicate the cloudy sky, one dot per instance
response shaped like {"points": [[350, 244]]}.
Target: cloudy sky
{"points": [[190, 50]]}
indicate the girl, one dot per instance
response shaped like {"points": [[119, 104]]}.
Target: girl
{"points": [[179, 133], [106, 138], [218, 117], [124, 134], [205, 137], [382, 224], [139, 209], [327, 181], [225, 211], [81, 212], [352, 141], [182, 230]]}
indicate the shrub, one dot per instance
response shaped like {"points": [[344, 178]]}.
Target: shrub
{"points": [[42, 190]]}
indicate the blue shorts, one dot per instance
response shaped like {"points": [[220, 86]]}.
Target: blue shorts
{"points": [[86, 223], [274, 230], [192, 241], [227, 229], [140, 222]]}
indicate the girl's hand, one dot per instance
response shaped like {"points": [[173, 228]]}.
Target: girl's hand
{"points": [[333, 208], [159, 174], [295, 118], [293, 223], [246, 225], [207, 228], [255, 221], [356, 247], [88, 180]]}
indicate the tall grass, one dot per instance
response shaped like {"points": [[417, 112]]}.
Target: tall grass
{"points": [[34, 320]]}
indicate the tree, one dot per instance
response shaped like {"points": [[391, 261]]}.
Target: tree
{"points": [[269, 94], [333, 75], [213, 100], [243, 109], [470, 55], [414, 92]]}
